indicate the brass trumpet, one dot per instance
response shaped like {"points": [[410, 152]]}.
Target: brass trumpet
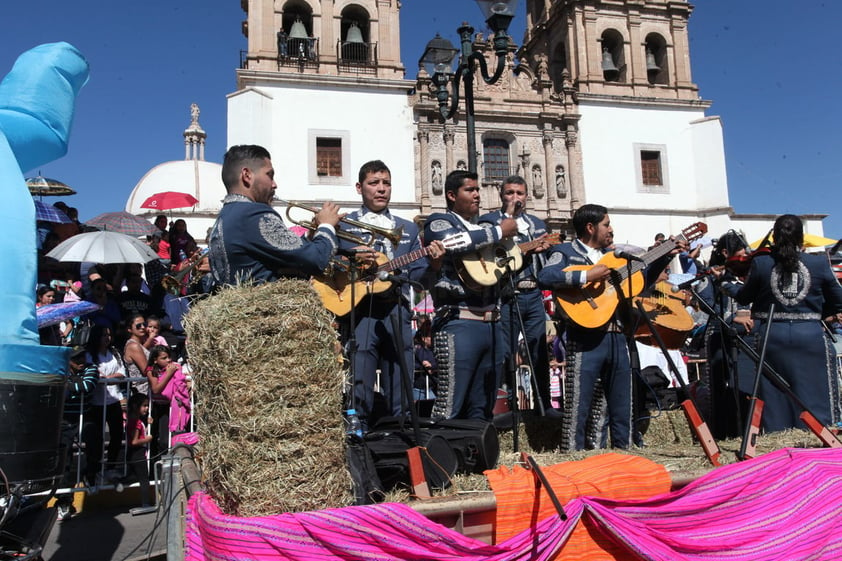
{"points": [[393, 235]]}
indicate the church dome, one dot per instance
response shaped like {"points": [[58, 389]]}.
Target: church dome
{"points": [[192, 175], [195, 177]]}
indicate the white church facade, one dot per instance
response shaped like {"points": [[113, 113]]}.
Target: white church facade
{"points": [[596, 106]]}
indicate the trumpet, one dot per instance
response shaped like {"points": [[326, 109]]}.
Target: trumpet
{"points": [[173, 283], [392, 234]]}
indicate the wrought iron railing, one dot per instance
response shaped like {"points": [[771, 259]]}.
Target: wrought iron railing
{"points": [[357, 57]]}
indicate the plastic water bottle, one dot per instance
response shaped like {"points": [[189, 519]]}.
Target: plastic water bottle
{"points": [[353, 422]]}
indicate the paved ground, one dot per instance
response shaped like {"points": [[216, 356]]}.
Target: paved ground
{"points": [[105, 530]]}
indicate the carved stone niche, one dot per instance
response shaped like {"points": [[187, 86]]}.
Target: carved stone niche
{"points": [[436, 180], [537, 181], [560, 182]]}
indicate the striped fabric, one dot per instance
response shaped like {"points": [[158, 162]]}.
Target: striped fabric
{"points": [[613, 476], [781, 506]]}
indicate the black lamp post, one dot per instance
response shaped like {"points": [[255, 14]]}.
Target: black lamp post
{"points": [[438, 59]]}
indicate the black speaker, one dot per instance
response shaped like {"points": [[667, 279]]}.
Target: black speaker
{"points": [[31, 408], [389, 448], [475, 442]]}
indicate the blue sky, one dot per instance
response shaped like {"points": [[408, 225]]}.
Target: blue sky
{"points": [[769, 66]]}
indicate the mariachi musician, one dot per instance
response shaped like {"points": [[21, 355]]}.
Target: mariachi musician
{"points": [[467, 338], [597, 357], [522, 295], [727, 372], [378, 346], [804, 290]]}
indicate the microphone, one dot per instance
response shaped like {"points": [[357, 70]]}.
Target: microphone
{"points": [[626, 255], [386, 276]]}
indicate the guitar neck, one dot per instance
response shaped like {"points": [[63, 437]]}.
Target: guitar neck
{"points": [[649, 257], [403, 260], [532, 244]]}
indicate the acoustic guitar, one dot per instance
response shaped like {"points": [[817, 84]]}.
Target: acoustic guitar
{"points": [[668, 315], [335, 292], [486, 266], [593, 304]]}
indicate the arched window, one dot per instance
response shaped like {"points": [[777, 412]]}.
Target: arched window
{"points": [[355, 45], [613, 56], [295, 38], [657, 71], [558, 62]]}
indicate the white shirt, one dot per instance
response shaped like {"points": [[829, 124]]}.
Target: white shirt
{"points": [[109, 365]]}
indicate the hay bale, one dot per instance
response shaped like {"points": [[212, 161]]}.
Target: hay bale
{"points": [[269, 380]]}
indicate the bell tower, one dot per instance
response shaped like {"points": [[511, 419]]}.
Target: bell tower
{"points": [[321, 86], [620, 71], [323, 37], [629, 48]]}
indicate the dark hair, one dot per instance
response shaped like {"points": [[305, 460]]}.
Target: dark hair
{"points": [[136, 401], [515, 180], [732, 242], [42, 289], [237, 157], [789, 237], [372, 167], [587, 214], [92, 347], [156, 351], [456, 179]]}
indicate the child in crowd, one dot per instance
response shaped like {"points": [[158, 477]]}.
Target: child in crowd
{"points": [[153, 331], [138, 443], [172, 384]]}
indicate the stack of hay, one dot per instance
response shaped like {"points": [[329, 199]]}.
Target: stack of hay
{"points": [[269, 382]]}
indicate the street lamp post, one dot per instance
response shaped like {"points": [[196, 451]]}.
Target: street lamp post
{"points": [[439, 55]]}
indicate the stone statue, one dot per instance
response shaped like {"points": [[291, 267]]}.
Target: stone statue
{"points": [[537, 181], [560, 186], [436, 178], [194, 114]]}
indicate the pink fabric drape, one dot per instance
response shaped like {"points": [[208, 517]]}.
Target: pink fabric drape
{"points": [[783, 505]]}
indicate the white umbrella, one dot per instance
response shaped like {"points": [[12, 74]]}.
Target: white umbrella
{"points": [[103, 247]]}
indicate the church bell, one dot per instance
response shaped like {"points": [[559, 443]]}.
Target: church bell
{"points": [[651, 65], [298, 30], [354, 34], [608, 67]]}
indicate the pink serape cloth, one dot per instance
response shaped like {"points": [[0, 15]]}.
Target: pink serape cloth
{"points": [[783, 505]]}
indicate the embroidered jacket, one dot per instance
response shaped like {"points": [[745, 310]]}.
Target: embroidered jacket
{"points": [[810, 293], [410, 241], [250, 241], [448, 289]]}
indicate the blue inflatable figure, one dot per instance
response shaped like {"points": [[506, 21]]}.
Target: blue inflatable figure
{"points": [[37, 100]]}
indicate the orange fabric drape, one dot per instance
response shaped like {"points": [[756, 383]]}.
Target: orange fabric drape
{"points": [[521, 504]]}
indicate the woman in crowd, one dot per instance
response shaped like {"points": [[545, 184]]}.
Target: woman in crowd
{"points": [[105, 402], [51, 334], [135, 352], [804, 290], [182, 244]]}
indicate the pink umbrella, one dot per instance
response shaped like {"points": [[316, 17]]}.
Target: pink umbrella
{"points": [[169, 200]]}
